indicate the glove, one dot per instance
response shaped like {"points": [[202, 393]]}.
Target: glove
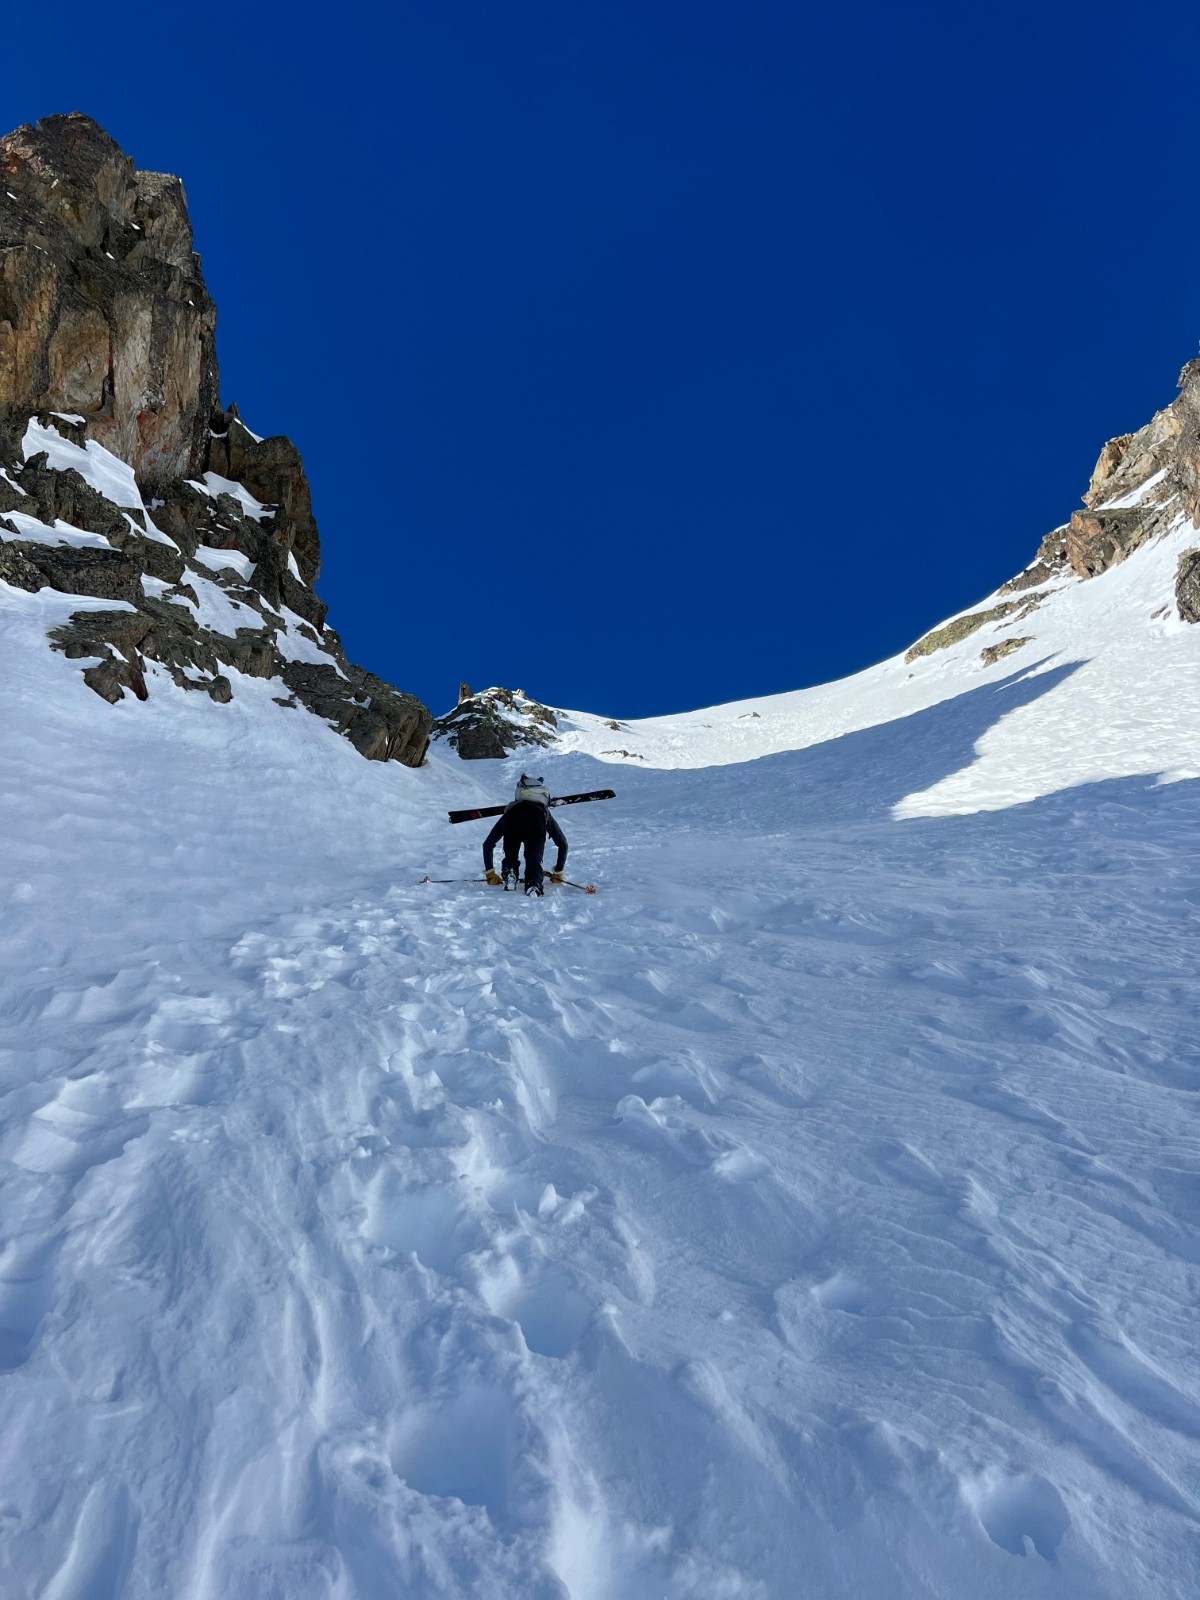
{"points": [[494, 878], [556, 877]]}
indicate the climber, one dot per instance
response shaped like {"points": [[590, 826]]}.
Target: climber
{"points": [[526, 821]]}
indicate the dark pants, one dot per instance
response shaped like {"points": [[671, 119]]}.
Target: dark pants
{"points": [[525, 825]]}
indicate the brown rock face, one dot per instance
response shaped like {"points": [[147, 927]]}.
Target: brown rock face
{"points": [[1126, 463], [1187, 586], [103, 309], [1185, 465], [1108, 463], [1097, 540], [272, 471], [1157, 468]]}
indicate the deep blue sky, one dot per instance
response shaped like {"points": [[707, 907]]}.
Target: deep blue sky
{"points": [[646, 356]]}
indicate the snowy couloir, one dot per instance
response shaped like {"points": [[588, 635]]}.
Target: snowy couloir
{"points": [[812, 1212]]}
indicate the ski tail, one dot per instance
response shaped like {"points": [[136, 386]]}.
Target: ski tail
{"points": [[480, 811]]}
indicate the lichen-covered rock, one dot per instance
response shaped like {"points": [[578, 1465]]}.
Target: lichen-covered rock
{"points": [[103, 308], [1187, 586], [15, 566], [960, 628], [490, 725], [992, 653]]}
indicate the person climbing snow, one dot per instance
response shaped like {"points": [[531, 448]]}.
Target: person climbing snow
{"points": [[525, 823]]}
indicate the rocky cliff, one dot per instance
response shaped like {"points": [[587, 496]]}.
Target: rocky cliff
{"points": [[1144, 485], [103, 308], [122, 479]]}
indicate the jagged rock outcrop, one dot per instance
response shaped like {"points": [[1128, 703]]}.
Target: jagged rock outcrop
{"points": [[272, 471], [103, 308], [380, 722], [1128, 461], [1141, 484], [223, 558], [494, 723], [1144, 485], [207, 548], [1049, 562], [1097, 540]]}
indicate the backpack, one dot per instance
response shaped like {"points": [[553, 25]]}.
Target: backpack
{"points": [[532, 789]]}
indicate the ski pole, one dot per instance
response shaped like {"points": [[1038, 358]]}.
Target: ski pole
{"points": [[428, 879], [588, 888]]}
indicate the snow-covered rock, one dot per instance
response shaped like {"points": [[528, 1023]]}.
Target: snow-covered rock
{"points": [[121, 478], [495, 722]]}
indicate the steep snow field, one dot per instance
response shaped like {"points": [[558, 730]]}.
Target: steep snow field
{"points": [[1132, 706], [813, 1213]]}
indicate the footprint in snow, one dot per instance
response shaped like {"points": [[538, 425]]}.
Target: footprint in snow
{"points": [[1019, 1510], [474, 1445], [427, 1222], [543, 1300]]}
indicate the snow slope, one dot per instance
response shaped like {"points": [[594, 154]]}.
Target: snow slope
{"points": [[1131, 707], [813, 1212]]}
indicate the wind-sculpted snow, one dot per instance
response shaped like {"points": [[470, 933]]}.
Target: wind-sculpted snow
{"points": [[814, 1211]]}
